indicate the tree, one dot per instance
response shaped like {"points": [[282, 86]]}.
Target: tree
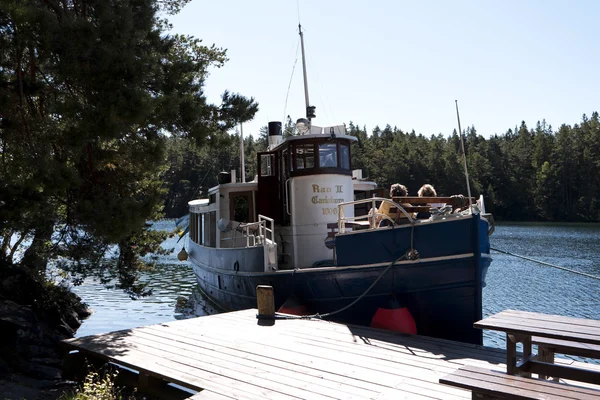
{"points": [[91, 90]]}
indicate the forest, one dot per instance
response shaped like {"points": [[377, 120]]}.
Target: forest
{"points": [[525, 174]]}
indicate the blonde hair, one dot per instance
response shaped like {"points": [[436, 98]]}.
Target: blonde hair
{"points": [[427, 191]]}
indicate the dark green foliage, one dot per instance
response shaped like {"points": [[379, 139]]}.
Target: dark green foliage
{"points": [[523, 174], [91, 91], [193, 170]]}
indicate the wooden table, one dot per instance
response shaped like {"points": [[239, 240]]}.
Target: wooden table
{"points": [[521, 326]]}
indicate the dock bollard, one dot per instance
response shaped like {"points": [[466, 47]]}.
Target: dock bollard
{"points": [[265, 301]]}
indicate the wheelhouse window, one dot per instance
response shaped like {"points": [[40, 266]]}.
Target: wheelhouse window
{"points": [[267, 164], [328, 155], [305, 156], [318, 156], [344, 156]]}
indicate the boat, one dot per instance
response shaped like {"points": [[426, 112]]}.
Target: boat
{"points": [[307, 226]]}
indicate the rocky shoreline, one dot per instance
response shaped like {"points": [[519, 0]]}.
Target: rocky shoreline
{"points": [[34, 318]]}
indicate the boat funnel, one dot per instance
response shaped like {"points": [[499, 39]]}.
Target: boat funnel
{"points": [[274, 133], [224, 177]]}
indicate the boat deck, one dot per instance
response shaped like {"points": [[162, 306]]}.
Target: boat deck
{"points": [[235, 356]]}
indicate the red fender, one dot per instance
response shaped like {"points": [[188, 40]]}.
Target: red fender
{"points": [[294, 307], [395, 319]]}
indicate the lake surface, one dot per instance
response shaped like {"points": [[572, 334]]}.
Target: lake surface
{"points": [[512, 283]]}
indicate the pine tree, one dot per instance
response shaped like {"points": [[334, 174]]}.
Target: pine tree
{"points": [[89, 91]]}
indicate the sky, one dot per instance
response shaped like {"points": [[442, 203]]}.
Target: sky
{"points": [[404, 63]]}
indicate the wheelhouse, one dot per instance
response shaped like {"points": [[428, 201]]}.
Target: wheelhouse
{"points": [[298, 156]]}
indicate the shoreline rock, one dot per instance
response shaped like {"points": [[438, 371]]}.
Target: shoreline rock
{"points": [[34, 318]]}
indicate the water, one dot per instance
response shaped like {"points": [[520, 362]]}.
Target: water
{"points": [[174, 296], [512, 283]]}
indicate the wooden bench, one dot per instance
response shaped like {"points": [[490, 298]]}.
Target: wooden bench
{"points": [[555, 334], [486, 384], [547, 348], [422, 204], [566, 347]]}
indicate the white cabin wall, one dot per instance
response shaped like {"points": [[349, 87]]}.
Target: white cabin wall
{"points": [[314, 204]]}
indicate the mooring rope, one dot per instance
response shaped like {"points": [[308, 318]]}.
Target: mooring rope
{"points": [[407, 255], [411, 254], [547, 264]]}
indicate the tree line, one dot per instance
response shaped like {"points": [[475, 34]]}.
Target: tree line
{"points": [[525, 174]]}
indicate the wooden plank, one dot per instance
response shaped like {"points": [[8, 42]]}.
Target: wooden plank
{"points": [[568, 391], [399, 342], [547, 324], [210, 395], [366, 349], [347, 341], [514, 387], [372, 351], [239, 366], [354, 331], [308, 395], [525, 327], [173, 373], [279, 346], [199, 363], [407, 387], [567, 347], [261, 356], [392, 340], [411, 209], [543, 319], [511, 354], [425, 200], [552, 317], [389, 377], [265, 352], [115, 351], [216, 355], [562, 371], [291, 359], [158, 351]]}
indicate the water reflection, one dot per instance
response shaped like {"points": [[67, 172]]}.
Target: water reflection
{"points": [[174, 296]]}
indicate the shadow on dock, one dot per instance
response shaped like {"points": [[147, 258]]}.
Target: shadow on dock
{"points": [[233, 355]]}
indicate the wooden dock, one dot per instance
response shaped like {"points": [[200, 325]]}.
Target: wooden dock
{"points": [[235, 356]]}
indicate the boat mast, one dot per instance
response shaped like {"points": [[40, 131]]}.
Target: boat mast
{"points": [[310, 111], [243, 167], [462, 144]]}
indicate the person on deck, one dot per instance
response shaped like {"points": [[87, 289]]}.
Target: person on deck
{"points": [[427, 191], [396, 190]]}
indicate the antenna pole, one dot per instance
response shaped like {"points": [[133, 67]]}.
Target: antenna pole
{"points": [[243, 167], [304, 72], [462, 145]]}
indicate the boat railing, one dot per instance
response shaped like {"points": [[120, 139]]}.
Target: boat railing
{"points": [[372, 216], [255, 233], [249, 232], [264, 229]]}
